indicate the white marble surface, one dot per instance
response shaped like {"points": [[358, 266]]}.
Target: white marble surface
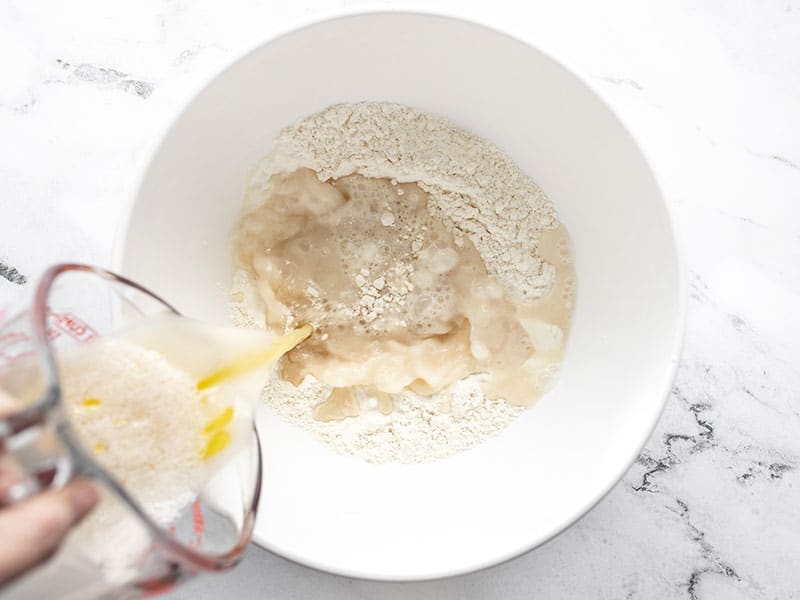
{"points": [[712, 89]]}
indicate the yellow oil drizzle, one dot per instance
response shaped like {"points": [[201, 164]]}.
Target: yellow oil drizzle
{"points": [[218, 437], [91, 402], [257, 358], [219, 422], [216, 443]]}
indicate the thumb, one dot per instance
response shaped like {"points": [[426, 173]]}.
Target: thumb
{"points": [[33, 529]]}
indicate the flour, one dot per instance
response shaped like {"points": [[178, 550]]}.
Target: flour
{"points": [[478, 194], [419, 429], [475, 188], [137, 413]]}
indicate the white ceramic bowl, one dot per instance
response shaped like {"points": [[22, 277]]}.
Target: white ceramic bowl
{"points": [[537, 477]]}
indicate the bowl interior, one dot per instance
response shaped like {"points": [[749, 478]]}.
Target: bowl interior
{"points": [[526, 484]]}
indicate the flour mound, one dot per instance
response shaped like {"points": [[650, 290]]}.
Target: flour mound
{"points": [[479, 194], [476, 189]]}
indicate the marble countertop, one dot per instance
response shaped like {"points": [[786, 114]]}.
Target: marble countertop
{"points": [[711, 508]]}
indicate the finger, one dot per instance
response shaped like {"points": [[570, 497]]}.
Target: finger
{"points": [[9, 470], [10, 475], [7, 404], [32, 530]]}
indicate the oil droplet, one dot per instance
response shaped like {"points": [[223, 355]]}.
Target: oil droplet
{"points": [[219, 422], [91, 402], [216, 444]]}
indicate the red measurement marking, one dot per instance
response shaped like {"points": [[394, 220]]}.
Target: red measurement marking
{"points": [[198, 523], [152, 589], [73, 326], [14, 337], [7, 359]]}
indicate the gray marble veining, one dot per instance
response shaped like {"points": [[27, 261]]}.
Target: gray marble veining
{"points": [[711, 507]]}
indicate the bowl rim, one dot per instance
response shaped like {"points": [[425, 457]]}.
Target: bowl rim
{"points": [[163, 126]]}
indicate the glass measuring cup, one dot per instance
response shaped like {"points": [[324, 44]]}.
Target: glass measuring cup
{"points": [[123, 549]]}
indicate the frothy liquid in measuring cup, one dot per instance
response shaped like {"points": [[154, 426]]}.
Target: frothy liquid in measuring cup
{"points": [[158, 403], [144, 420], [162, 407]]}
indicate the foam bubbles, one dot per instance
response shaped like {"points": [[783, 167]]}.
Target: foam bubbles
{"points": [[400, 291], [443, 260]]}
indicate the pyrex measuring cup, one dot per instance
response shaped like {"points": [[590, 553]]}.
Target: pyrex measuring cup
{"points": [[122, 550]]}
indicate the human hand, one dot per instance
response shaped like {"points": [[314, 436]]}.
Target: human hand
{"points": [[32, 530]]}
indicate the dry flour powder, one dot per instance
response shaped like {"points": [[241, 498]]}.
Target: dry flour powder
{"points": [[478, 193]]}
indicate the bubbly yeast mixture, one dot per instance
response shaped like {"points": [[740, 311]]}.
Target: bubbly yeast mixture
{"points": [[397, 301]]}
